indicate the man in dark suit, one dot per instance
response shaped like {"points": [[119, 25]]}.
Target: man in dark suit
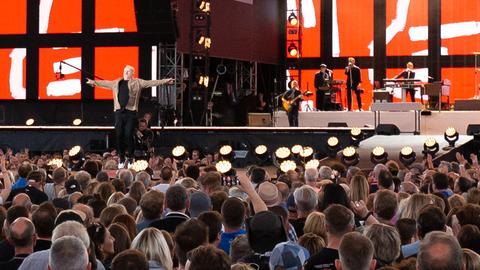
{"points": [[322, 85], [353, 80], [293, 96], [177, 201], [408, 73]]}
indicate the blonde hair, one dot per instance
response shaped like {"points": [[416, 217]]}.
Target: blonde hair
{"points": [[351, 60], [130, 68], [115, 197], [471, 259], [413, 205], [152, 243], [312, 242], [409, 64], [456, 201], [315, 223], [359, 188]]}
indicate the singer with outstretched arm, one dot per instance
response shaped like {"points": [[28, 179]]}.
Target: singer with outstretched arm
{"points": [[353, 80], [126, 96]]}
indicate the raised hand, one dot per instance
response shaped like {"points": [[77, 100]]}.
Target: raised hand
{"points": [[460, 158], [474, 159], [90, 82]]}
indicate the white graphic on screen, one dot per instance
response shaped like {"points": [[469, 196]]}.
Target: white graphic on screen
{"points": [[67, 87], [17, 90]]}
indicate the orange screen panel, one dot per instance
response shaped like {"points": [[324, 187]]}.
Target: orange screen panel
{"points": [[50, 85], [407, 27], [115, 16], [60, 16], [310, 27], [462, 82], [109, 64], [14, 17], [460, 27], [13, 73], [352, 28]]}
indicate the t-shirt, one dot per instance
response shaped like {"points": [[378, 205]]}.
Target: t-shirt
{"points": [[323, 260], [123, 94], [227, 238], [298, 224]]}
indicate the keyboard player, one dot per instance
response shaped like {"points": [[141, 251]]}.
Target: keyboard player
{"points": [[408, 73]]}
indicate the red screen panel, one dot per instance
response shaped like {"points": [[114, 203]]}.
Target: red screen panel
{"points": [[352, 24], [460, 27], [50, 86], [407, 27], [60, 16], [311, 11], [115, 16], [109, 65], [462, 82], [13, 73], [14, 17]]}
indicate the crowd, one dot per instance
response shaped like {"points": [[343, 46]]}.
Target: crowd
{"points": [[88, 214]]}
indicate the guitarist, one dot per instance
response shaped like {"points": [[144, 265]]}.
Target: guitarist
{"points": [[292, 98], [322, 85]]}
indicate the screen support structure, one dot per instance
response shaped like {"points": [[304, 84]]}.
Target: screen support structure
{"points": [[477, 70]]}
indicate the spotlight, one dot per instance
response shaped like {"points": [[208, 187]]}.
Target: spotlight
{"points": [[350, 156], [77, 122], [223, 166], [296, 149], [451, 136], [204, 6], [75, 153], [261, 152], [356, 135], [282, 153], [306, 153], [179, 152], [430, 147], [55, 163], [292, 49], [292, 19], [378, 155], [203, 80], [30, 122], [314, 163], [226, 152], [333, 146], [407, 156], [139, 165], [288, 165]]}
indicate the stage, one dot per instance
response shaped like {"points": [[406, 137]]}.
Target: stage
{"points": [[433, 124]]}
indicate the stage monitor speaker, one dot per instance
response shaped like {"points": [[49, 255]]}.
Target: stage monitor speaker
{"points": [[387, 129], [259, 120], [473, 129], [337, 124], [382, 96], [156, 17], [467, 105]]}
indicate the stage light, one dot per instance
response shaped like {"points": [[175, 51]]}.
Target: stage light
{"points": [[288, 165], [203, 80], [139, 165], [55, 163], [204, 6], [314, 163], [223, 166], [77, 122], [430, 147], [307, 153], [179, 152], [350, 156], [292, 49], [76, 153], [204, 40], [378, 155], [333, 146], [356, 135], [407, 156], [296, 149], [226, 152], [292, 19], [451, 136], [282, 153], [261, 152], [30, 122]]}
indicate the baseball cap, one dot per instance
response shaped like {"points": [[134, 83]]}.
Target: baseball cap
{"points": [[72, 186], [288, 255], [199, 203]]}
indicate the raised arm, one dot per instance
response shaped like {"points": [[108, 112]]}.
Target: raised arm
{"points": [[7, 182], [101, 83], [257, 202], [151, 83]]}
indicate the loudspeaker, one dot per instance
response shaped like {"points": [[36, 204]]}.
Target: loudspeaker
{"points": [[259, 120], [156, 17], [387, 129], [467, 105], [473, 129], [337, 124]]}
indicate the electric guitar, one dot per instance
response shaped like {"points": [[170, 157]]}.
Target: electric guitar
{"points": [[287, 104]]}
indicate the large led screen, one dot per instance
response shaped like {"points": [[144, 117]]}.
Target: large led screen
{"points": [[352, 23], [407, 27], [60, 16], [52, 83], [310, 28], [14, 17], [460, 27], [115, 16], [13, 73], [109, 64]]}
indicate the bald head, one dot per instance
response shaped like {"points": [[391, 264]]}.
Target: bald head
{"points": [[87, 210], [439, 251], [22, 233], [23, 200]]}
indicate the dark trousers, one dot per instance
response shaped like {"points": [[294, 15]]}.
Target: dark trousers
{"points": [[349, 97], [411, 92], [293, 117], [321, 100], [125, 123]]}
